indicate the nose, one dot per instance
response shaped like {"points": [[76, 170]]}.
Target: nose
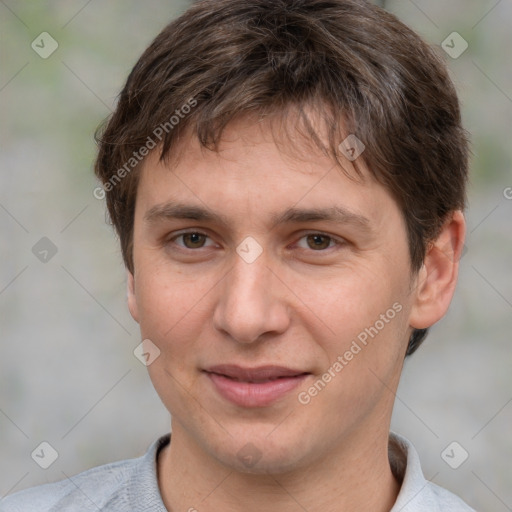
{"points": [[251, 302]]}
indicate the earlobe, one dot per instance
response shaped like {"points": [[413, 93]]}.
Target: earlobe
{"points": [[130, 292], [438, 276]]}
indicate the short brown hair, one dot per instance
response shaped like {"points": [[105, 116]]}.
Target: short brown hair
{"points": [[363, 70]]}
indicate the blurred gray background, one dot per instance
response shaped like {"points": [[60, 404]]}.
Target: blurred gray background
{"points": [[68, 375]]}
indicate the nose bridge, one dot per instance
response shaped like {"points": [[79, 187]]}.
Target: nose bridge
{"points": [[250, 304], [247, 278]]}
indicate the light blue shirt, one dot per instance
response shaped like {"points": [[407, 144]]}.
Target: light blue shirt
{"points": [[132, 486]]}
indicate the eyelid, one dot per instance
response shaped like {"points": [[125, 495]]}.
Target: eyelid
{"points": [[337, 240], [187, 232]]}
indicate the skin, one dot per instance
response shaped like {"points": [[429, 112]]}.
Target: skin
{"points": [[297, 305]]}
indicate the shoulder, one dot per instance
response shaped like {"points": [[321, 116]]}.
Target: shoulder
{"points": [[448, 501], [416, 493], [78, 492], [118, 486]]}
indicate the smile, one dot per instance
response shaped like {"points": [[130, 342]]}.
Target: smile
{"points": [[256, 387]]}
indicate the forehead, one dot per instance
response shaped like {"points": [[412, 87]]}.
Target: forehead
{"points": [[261, 170]]}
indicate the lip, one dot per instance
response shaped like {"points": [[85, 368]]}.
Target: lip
{"points": [[254, 387]]}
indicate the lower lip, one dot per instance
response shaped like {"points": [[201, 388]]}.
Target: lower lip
{"points": [[254, 394]]}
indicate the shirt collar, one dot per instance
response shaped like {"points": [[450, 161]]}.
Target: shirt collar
{"points": [[415, 492], [143, 489]]}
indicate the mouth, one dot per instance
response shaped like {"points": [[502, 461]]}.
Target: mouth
{"points": [[254, 387]]}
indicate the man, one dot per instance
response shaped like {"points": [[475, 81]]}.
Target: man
{"points": [[287, 179]]}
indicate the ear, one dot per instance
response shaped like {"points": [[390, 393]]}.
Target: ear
{"points": [[130, 293], [437, 278]]}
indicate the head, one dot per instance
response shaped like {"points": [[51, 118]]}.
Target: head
{"points": [[277, 106]]}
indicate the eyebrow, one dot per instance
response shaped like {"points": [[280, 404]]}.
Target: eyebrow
{"points": [[175, 210]]}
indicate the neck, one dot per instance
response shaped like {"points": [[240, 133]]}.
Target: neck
{"points": [[355, 475]]}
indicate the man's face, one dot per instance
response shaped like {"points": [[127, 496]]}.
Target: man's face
{"points": [[266, 281]]}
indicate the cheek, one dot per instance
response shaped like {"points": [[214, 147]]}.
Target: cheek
{"points": [[163, 300], [363, 352], [174, 310], [172, 314], [350, 300], [360, 325]]}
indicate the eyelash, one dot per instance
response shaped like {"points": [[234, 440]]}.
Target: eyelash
{"points": [[312, 233]]}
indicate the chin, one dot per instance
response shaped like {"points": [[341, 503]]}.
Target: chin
{"points": [[258, 455]]}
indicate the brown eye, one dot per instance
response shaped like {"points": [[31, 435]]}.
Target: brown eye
{"points": [[193, 240], [318, 241]]}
